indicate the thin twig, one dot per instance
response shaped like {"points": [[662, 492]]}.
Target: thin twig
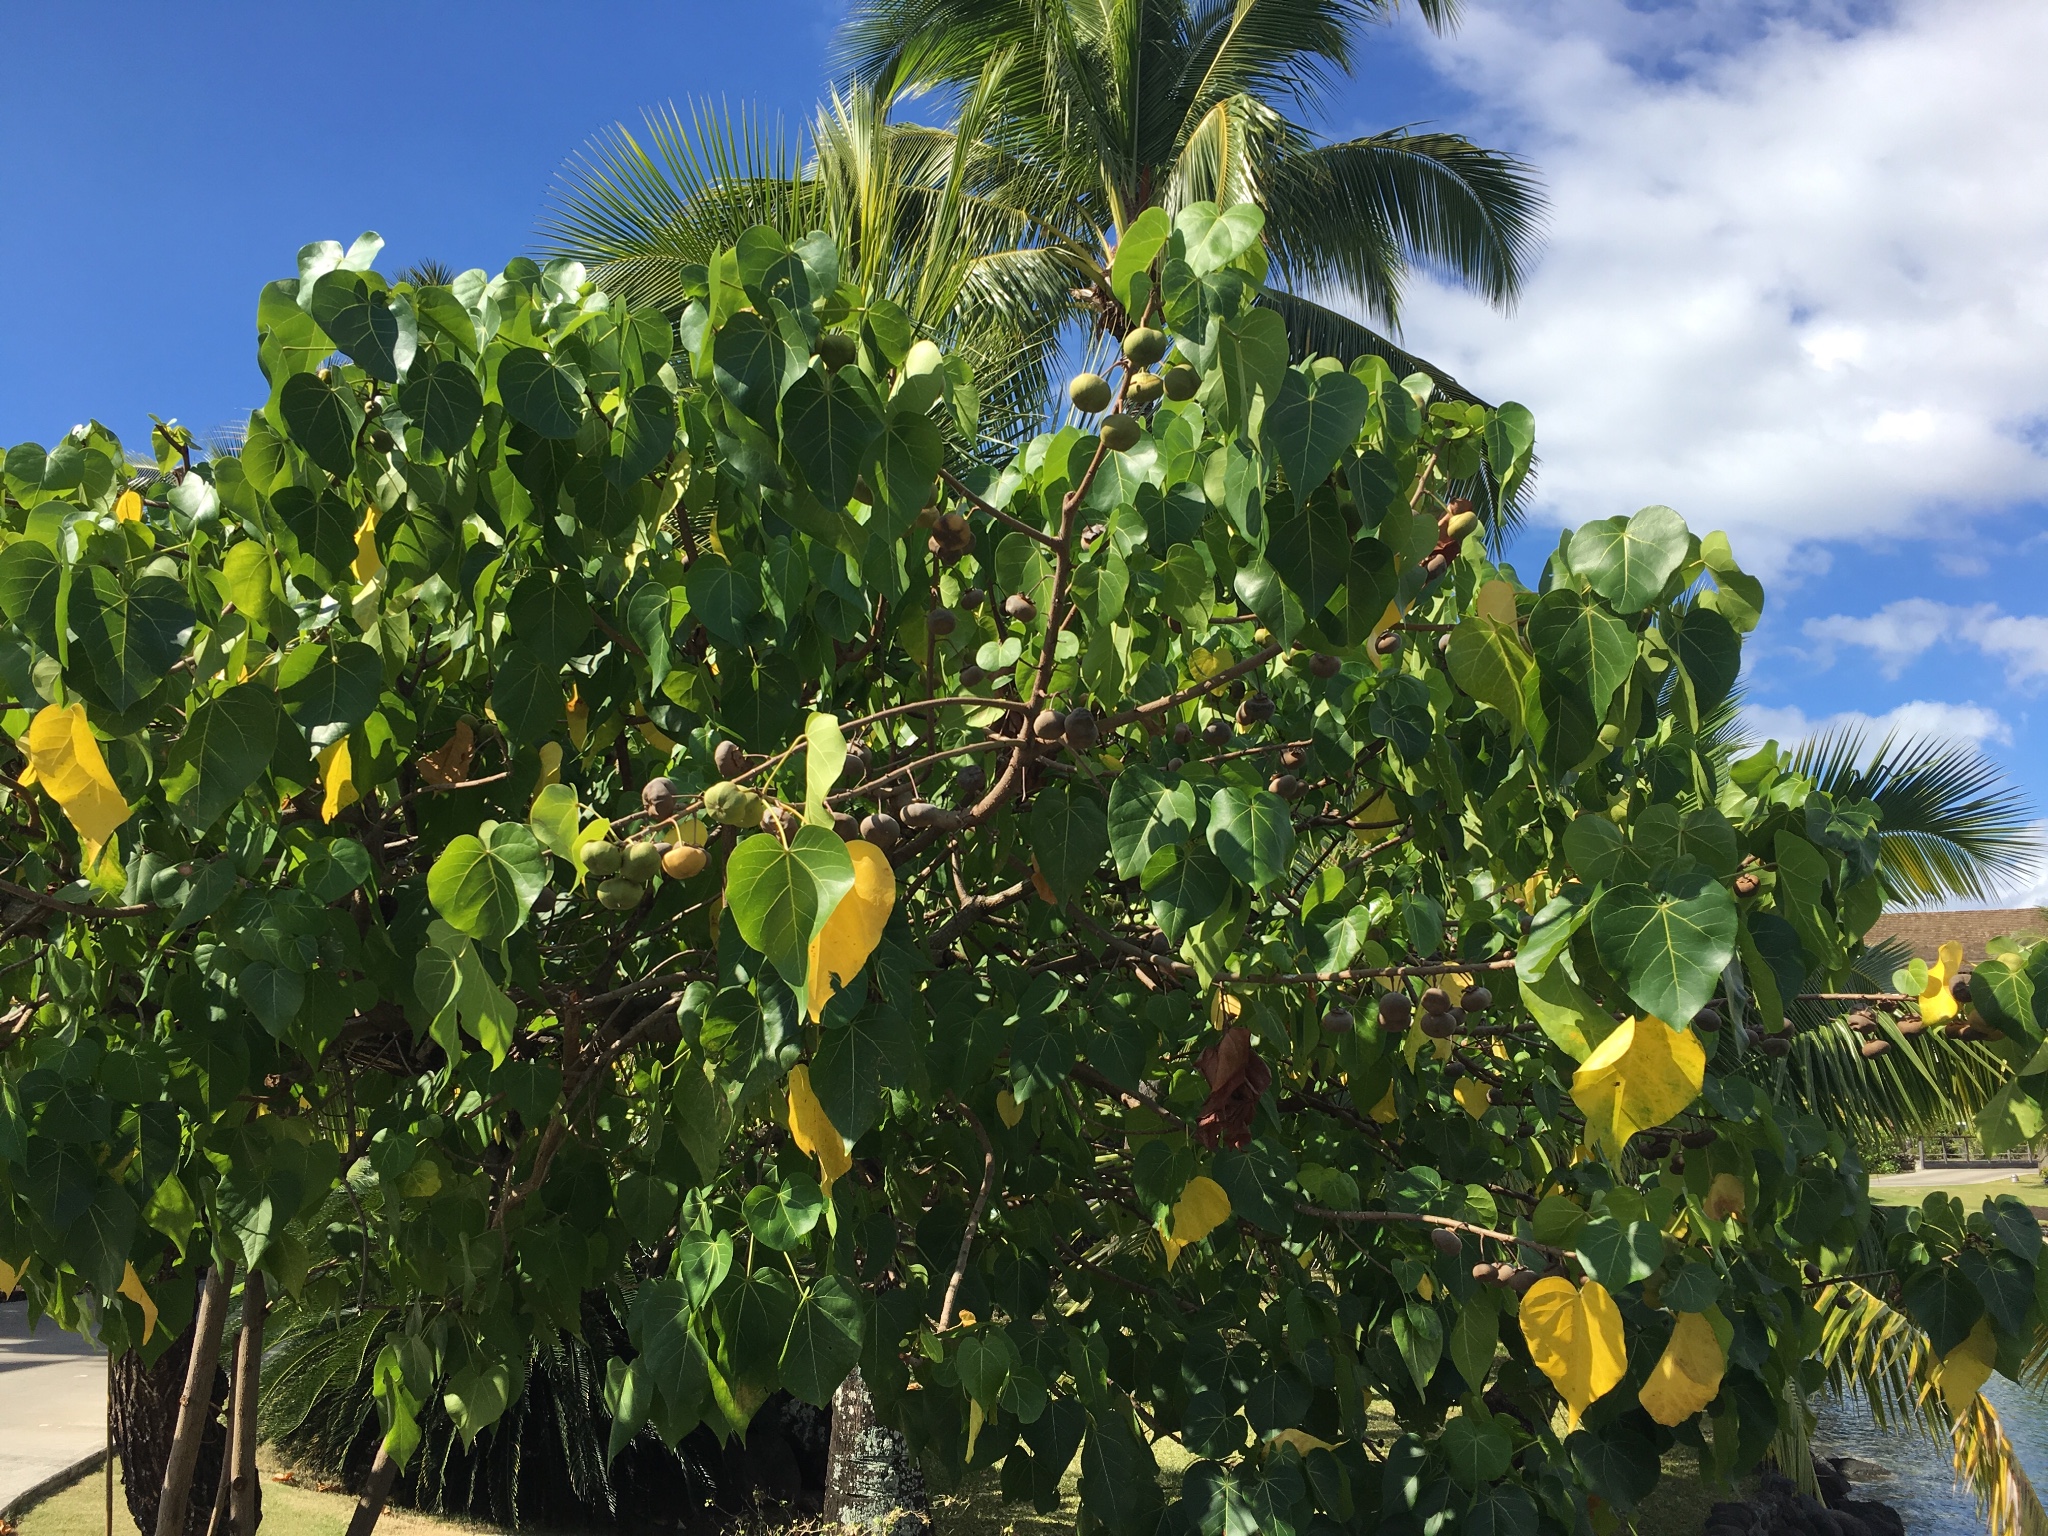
{"points": [[1415, 1218], [988, 1184]]}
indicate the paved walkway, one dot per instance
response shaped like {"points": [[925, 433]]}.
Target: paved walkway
{"points": [[1932, 1177], [53, 1401]]}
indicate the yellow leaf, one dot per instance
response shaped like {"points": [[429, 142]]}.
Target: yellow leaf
{"points": [[579, 720], [128, 507], [1425, 1287], [550, 765], [1009, 1109], [1454, 985], [11, 1275], [655, 739], [854, 929], [1725, 1197], [824, 761], [1639, 1076], [131, 1287], [1475, 1094], [1936, 1001], [813, 1131], [68, 765], [1496, 600], [337, 776], [1225, 1009], [1205, 663], [965, 1318], [1574, 1336], [975, 1419], [1302, 1441], [1688, 1373], [1966, 1368], [1386, 1112], [367, 562], [1202, 1208]]}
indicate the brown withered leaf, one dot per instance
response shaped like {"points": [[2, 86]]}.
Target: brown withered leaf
{"points": [[1237, 1079]]}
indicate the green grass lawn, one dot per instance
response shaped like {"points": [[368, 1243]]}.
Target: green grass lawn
{"points": [[1971, 1186], [288, 1510]]}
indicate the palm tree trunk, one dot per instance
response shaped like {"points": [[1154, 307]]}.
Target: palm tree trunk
{"points": [[245, 1493], [870, 1481], [146, 1417]]}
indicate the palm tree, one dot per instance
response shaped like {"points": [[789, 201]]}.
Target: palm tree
{"points": [[1067, 120]]}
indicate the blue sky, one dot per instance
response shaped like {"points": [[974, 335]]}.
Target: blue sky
{"points": [[1776, 294]]}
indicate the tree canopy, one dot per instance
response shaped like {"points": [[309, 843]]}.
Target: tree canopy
{"points": [[1161, 936]]}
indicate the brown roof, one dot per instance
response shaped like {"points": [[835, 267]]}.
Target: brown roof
{"points": [[1925, 932]]}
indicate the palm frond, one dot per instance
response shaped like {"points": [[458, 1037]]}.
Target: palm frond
{"points": [[1952, 828], [1316, 328], [1356, 216], [1925, 1084], [1871, 1348]]}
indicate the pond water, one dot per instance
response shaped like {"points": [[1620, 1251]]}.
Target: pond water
{"points": [[1923, 1487]]}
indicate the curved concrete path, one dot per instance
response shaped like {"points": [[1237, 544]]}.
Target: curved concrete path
{"points": [[53, 1403]]}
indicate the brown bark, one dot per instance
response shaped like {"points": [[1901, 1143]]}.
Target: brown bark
{"points": [[376, 1489], [196, 1408], [245, 1493], [142, 1422], [870, 1481]]}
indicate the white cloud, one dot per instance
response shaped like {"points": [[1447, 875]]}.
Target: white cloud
{"points": [[1796, 283], [1901, 632], [1788, 726], [2031, 888]]}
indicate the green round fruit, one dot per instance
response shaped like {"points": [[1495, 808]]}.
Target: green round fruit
{"points": [[1121, 432], [642, 861], [1090, 392], [1145, 346], [1143, 389], [620, 895], [1180, 382], [734, 805], [836, 349], [602, 859]]}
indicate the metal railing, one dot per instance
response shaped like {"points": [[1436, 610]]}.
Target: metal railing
{"points": [[1964, 1151]]}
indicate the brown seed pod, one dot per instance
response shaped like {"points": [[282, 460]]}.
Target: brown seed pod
{"points": [[1183, 733], [1285, 785], [1959, 989], [1486, 1274], [940, 623], [970, 782], [1338, 1021], [1081, 729], [1436, 1000], [728, 758], [1706, 1021], [1678, 1162], [1520, 1281], [1705, 1136], [1217, 733], [971, 676], [1775, 1046], [1019, 607], [1863, 1021], [658, 798], [1453, 1070], [1445, 1241], [1911, 1027], [1256, 710], [1874, 1048], [1175, 764], [1293, 758], [972, 598], [1438, 1026], [1397, 1012], [1049, 725], [1324, 665], [1388, 643], [1747, 885], [954, 523], [921, 815], [881, 829], [1476, 1000]]}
